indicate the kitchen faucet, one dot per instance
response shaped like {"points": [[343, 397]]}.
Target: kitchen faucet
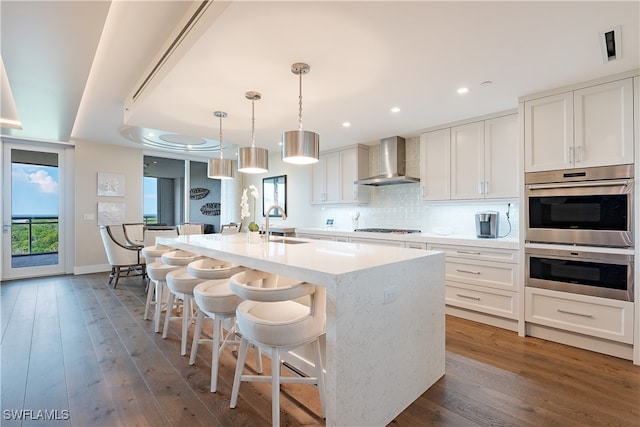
{"points": [[272, 207]]}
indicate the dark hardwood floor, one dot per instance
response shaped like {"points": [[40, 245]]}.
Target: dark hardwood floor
{"points": [[76, 352]]}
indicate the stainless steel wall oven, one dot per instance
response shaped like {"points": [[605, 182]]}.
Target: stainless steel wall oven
{"points": [[607, 275], [589, 206]]}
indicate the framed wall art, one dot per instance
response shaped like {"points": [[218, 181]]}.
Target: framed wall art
{"points": [[111, 213], [110, 184]]}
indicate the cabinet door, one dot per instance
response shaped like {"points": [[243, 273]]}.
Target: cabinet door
{"points": [[435, 164], [467, 161], [349, 169], [501, 157], [318, 192], [604, 124], [332, 177], [548, 133]]}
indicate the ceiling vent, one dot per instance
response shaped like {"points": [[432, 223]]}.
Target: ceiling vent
{"points": [[197, 19], [611, 44]]}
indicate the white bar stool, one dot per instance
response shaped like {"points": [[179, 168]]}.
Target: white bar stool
{"points": [[157, 272], [215, 299], [271, 319], [180, 284], [151, 255]]}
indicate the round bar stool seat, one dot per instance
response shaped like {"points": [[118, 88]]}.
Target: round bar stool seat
{"points": [[157, 272], [180, 284], [178, 257], [211, 268], [151, 255]]}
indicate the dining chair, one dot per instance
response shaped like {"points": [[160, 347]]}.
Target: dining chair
{"points": [[124, 259], [134, 234], [187, 228]]}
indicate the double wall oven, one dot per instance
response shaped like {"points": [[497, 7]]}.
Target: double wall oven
{"points": [[579, 231]]}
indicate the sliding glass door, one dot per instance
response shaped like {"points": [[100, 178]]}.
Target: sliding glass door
{"points": [[33, 211]]}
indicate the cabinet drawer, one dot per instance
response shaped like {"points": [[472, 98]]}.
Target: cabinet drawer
{"points": [[598, 317], [472, 252], [381, 242], [415, 245], [491, 274], [502, 304]]}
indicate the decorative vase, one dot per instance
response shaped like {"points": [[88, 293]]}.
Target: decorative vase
{"points": [[254, 237]]}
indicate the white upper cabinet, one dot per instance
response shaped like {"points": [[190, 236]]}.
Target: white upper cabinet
{"points": [[467, 161], [501, 157], [587, 127], [435, 164], [472, 161], [333, 176]]}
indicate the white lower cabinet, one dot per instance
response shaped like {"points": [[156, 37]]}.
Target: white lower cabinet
{"points": [[483, 280], [598, 317]]}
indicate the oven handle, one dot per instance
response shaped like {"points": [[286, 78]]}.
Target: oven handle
{"points": [[613, 183]]}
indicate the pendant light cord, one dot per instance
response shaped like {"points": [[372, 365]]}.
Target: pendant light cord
{"points": [[220, 139], [253, 124], [300, 104]]}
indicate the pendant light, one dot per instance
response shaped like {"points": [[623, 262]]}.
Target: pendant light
{"points": [[300, 147], [220, 168], [253, 159]]}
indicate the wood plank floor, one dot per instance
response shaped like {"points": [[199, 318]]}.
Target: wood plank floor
{"points": [[76, 352]]}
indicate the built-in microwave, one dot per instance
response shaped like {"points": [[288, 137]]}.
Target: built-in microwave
{"points": [[588, 206], [606, 275]]}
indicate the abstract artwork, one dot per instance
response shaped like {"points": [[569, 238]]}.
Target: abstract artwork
{"points": [[110, 184], [111, 213]]}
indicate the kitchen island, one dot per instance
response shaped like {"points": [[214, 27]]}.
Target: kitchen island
{"points": [[385, 332]]}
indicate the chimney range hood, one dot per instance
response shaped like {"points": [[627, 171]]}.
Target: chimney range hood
{"points": [[393, 158]]}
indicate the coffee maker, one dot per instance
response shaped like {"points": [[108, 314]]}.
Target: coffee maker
{"points": [[487, 224]]}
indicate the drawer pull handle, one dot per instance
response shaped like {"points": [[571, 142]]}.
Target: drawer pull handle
{"points": [[467, 271], [559, 310], [468, 252], [468, 297]]}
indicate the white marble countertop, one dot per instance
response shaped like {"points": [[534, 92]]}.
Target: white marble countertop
{"points": [[451, 239], [316, 257]]}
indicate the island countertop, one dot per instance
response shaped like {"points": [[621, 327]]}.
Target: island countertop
{"points": [[385, 341]]}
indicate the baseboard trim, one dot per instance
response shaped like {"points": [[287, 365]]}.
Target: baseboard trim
{"points": [[88, 269]]}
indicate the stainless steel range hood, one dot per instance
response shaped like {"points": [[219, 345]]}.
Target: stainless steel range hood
{"points": [[393, 159]]}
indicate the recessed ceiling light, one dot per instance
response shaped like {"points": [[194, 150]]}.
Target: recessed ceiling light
{"points": [[151, 134], [395, 110], [346, 124], [463, 90]]}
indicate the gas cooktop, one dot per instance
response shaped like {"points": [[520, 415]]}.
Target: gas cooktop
{"points": [[387, 230]]}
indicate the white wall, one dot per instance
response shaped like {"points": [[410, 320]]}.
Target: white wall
{"points": [[91, 158]]}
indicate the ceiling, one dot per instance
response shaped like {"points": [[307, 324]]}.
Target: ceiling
{"points": [[73, 67]]}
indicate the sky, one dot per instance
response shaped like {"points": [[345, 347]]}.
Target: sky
{"points": [[150, 205], [34, 190]]}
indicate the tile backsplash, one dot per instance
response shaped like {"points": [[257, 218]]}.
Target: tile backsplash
{"points": [[400, 206]]}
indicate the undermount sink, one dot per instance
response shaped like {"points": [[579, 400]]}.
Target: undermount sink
{"points": [[287, 241]]}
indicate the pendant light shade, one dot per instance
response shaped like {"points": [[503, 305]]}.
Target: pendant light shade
{"points": [[253, 159], [299, 146], [220, 168]]}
